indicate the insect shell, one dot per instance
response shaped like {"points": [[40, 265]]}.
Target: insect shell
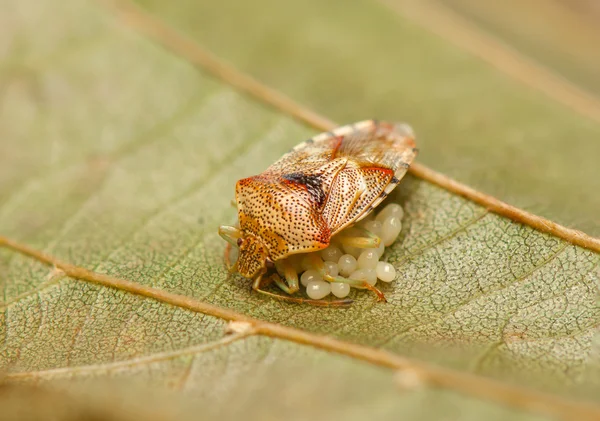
{"points": [[313, 192]]}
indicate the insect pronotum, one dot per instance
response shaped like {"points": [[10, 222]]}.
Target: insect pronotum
{"points": [[316, 190]]}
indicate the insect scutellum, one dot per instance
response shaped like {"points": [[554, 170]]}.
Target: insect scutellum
{"points": [[317, 200]]}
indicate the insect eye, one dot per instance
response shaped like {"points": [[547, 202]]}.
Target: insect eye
{"points": [[239, 242]]}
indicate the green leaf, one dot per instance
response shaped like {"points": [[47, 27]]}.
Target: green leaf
{"points": [[362, 59], [121, 158]]}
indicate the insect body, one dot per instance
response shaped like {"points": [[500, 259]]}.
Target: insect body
{"points": [[313, 192]]}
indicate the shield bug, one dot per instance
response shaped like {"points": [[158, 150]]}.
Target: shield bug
{"points": [[315, 191]]}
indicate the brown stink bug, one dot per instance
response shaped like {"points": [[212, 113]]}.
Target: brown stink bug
{"points": [[319, 188]]}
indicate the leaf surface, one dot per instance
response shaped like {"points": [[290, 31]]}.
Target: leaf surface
{"points": [[121, 158], [370, 59]]}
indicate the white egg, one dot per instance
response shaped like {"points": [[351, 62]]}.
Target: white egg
{"points": [[353, 251], [358, 275], [339, 289], [366, 219], [347, 264], [368, 259], [331, 253], [380, 249], [331, 268], [310, 276], [393, 209], [318, 289], [367, 275], [374, 226], [385, 272], [391, 229], [370, 276]]}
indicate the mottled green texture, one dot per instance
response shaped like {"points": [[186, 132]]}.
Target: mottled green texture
{"points": [[360, 59], [121, 158]]}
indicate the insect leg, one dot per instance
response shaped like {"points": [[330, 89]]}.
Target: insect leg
{"points": [[228, 256], [279, 282], [369, 241], [356, 284], [233, 268], [286, 269], [230, 234], [367, 233], [256, 283], [282, 285]]}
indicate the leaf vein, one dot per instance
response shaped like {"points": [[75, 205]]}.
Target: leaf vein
{"points": [[442, 239], [119, 365], [476, 297]]}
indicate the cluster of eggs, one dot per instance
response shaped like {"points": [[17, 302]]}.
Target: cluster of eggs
{"points": [[359, 264]]}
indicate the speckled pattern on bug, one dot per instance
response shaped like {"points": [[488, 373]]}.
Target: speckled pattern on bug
{"points": [[316, 190]]}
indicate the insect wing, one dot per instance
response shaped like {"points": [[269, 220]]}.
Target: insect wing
{"points": [[323, 185], [308, 157], [375, 156]]}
